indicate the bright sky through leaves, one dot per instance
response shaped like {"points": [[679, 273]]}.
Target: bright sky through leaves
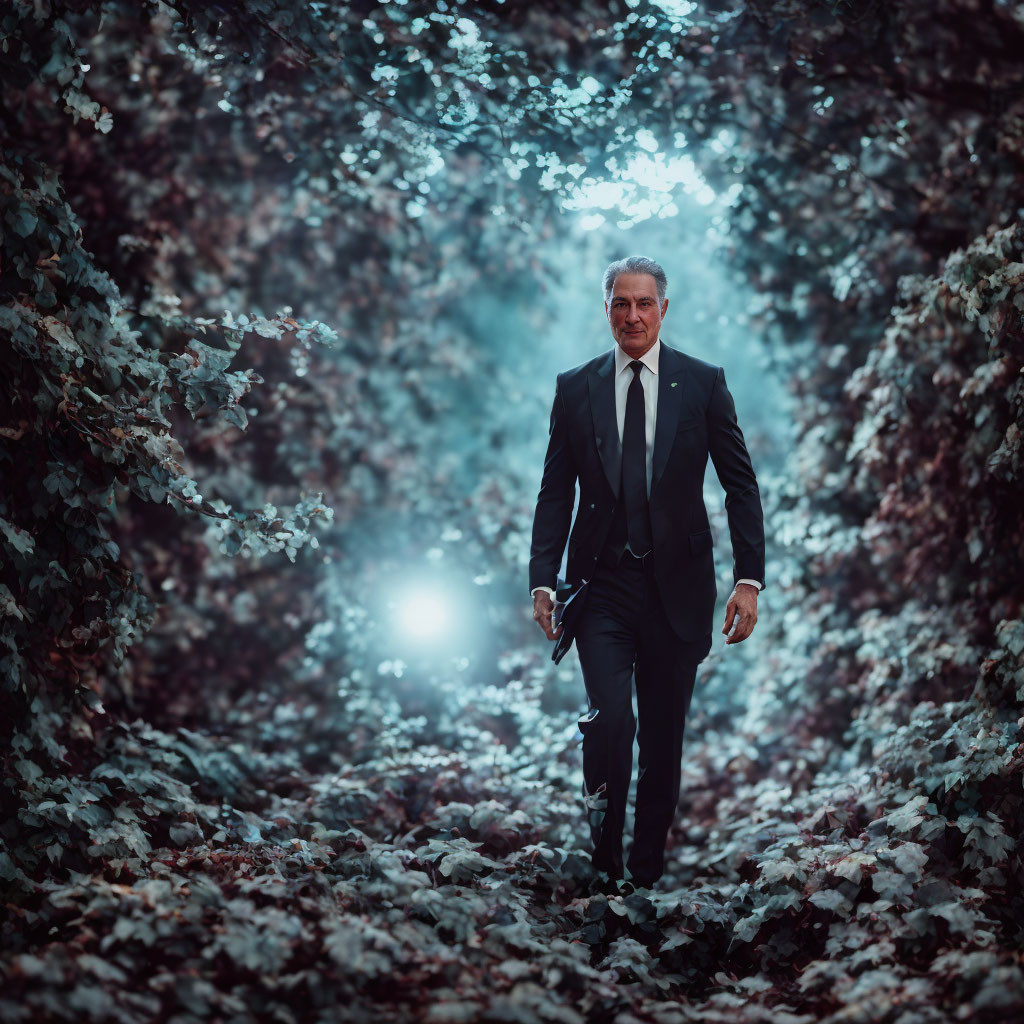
{"points": [[645, 187]]}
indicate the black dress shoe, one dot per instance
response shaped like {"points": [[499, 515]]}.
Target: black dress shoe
{"points": [[634, 885], [603, 885]]}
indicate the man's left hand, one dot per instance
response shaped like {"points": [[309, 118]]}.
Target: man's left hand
{"points": [[742, 603]]}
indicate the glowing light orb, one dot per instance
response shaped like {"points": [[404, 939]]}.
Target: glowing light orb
{"points": [[424, 614]]}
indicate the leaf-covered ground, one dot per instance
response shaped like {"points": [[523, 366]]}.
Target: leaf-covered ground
{"points": [[427, 884]]}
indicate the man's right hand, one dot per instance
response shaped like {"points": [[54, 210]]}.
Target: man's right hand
{"points": [[543, 610]]}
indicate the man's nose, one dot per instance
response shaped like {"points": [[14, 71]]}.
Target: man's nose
{"points": [[631, 316]]}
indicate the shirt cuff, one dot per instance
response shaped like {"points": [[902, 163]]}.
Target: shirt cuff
{"points": [[752, 582], [547, 590]]}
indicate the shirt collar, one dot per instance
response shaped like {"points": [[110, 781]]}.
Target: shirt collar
{"points": [[649, 358]]}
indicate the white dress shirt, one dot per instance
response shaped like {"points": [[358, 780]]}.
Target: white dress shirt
{"points": [[649, 379]]}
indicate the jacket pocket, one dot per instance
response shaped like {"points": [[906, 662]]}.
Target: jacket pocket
{"points": [[688, 424], [700, 541]]}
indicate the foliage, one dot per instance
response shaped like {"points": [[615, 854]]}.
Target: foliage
{"points": [[215, 800]]}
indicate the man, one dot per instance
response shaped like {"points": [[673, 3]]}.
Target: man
{"points": [[635, 427]]}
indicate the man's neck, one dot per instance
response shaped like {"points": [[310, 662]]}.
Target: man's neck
{"points": [[629, 357]]}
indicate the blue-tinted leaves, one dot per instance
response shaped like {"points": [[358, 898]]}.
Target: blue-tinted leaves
{"points": [[832, 900], [985, 840], [18, 539], [58, 480], [20, 219]]}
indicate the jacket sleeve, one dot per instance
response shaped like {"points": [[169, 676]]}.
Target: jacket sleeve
{"points": [[736, 474], [555, 500]]}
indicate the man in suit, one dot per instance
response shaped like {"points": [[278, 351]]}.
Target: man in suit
{"points": [[635, 426]]}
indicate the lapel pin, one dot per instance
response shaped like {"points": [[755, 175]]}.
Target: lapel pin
{"points": [[674, 383]]}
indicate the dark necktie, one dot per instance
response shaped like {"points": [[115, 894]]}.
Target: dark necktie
{"points": [[634, 467]]}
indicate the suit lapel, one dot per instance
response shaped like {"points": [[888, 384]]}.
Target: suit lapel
{"points": [[601, 383], [671, 383]]}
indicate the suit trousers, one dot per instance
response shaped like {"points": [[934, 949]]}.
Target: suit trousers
{"points": [[623, 633]]}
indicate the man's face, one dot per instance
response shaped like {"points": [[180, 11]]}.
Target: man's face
{"points": [[634, 313]]}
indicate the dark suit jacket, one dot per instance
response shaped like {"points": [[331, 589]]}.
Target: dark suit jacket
{"points": [[696, 418]]}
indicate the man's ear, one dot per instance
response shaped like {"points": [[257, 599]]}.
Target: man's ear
{"points": [[664, 309]]}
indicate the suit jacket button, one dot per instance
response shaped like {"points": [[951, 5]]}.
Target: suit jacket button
{"points": [[591, 504]]}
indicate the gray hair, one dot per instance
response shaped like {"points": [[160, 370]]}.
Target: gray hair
{"points": [[635, 265]]}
